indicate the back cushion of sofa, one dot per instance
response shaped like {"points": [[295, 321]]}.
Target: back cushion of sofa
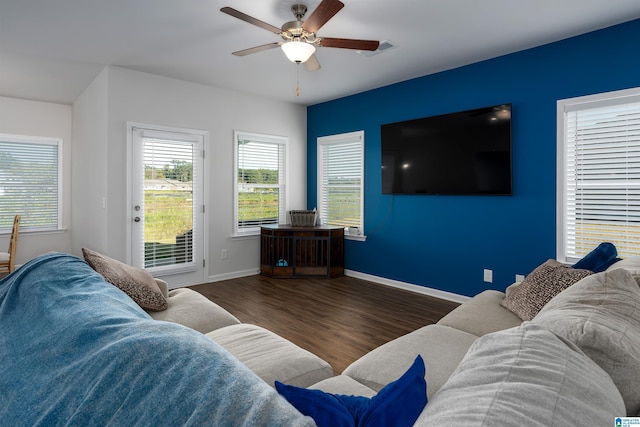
{"points": [[481, 315], [524, 376], [601, 315], [441, 347]]}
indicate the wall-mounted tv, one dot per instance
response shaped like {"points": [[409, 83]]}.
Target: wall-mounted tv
{"points": [[462, 153]]}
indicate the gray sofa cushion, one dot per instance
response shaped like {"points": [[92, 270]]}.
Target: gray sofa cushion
{"points": [[441, 347], [272, 357], [601, 315], [632, 264], [194, 310], [525, 376], [342, 384], [481, 315]]}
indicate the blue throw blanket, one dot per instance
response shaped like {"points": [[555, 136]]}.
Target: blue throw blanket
{"points": [[75, 350]]}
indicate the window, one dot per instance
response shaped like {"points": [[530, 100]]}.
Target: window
{"points": [[599, 173], [260, 190], [30, 182], [341, 180]]}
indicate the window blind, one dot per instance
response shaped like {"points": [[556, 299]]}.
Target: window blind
{"points": [[30, 171], [260, 182], [341, 182], [602, 182], [171, 172]]}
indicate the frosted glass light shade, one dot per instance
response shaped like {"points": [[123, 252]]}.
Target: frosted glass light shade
{"points": [[298, 51]]}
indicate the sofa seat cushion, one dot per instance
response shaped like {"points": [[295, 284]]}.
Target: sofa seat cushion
{"points": [[272, 357], [441, 347], [343, 384], [481, 315], [192, 309], [400, 403], [601, 315], [525, 376]]}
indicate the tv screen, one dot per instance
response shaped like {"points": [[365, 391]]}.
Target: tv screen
{"points": [[463, 153]]}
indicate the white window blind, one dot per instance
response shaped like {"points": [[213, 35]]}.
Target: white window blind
{"points": [[171, 171], [260, 171], [601, 176], [30, 182], [341, 179]]}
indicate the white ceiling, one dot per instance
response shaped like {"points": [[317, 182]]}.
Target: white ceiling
{"points": [[50, 50]]}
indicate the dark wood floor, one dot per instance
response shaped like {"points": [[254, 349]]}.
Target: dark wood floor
{"points": [[337, 319]]}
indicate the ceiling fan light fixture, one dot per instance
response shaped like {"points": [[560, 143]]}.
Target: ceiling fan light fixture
{"points": [[298, 51]]}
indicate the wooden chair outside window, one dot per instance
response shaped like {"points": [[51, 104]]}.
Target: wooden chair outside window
{"points": [[8, 259]]}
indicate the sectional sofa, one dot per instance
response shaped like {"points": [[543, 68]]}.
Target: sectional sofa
{"points": [[560, 348], [573, 360]]}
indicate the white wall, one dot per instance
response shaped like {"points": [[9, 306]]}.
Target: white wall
{"points": [[89, 167], [139, 97], [33, 118]]}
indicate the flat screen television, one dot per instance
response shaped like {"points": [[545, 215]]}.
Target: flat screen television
{"points": [[463, 153]]}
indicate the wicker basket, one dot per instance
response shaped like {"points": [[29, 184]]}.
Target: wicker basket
{"points": [[303, 218]]}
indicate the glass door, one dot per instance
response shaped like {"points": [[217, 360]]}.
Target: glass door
{"points": [[167, 205]]}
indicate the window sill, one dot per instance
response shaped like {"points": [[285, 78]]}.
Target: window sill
{"points": [[358, 237], [24, 232], [245, 236]]}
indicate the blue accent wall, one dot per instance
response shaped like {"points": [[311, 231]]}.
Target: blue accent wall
{"points": [[445, 242]]}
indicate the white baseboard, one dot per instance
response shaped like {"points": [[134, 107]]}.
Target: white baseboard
{"points": [[450, 296], [233, 275]]}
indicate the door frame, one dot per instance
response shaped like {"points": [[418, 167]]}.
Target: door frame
{"points": [[170, 278]]}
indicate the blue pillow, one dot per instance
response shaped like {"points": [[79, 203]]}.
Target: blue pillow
{"points": [[599, 259], [399, 403]]}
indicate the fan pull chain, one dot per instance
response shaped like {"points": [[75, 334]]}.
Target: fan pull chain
{"points": [[297, 79]]}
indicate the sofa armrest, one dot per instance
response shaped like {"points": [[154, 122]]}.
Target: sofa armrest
{"points": [[511, 288], [192, 309], [164, 287]]}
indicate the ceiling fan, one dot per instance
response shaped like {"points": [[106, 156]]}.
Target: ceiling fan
{"points": [[299, 36]]}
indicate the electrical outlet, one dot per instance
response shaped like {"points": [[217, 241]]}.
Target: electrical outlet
{"points": [[488, 275], [224, 254]]}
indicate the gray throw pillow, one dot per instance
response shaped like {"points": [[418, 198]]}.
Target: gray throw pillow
{"points": [[632, 264], [542, 284], [601, 315], [524, 376], [139, 284]]}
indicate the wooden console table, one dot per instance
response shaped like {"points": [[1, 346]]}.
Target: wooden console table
{"points": [[287, 251]]}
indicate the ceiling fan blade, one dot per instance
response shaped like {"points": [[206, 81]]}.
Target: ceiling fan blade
{"points": [[256, 49], [250, 19], [325, 11], [349, 43], [312, 63]]}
